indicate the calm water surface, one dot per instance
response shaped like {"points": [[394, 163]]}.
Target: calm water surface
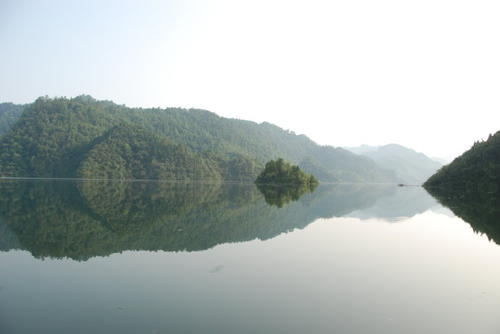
{"points": [[147, 257]]}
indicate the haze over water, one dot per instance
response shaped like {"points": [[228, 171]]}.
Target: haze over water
{"points": [[148, 257]]}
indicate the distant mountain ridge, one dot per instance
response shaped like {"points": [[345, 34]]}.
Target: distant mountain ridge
{"points": [[9, 113], [409, 165], [54, 138]]}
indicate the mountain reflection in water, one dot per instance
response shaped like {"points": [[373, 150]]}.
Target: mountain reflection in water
{"points": [[85, 219], [481, 209]]}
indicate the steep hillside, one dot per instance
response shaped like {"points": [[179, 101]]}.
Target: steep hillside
{"points": [[476, 169], [130, 152], [408, 165], [54, 136]]}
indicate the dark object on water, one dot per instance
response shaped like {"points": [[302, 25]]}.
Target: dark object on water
{"points": [[401, 185]]}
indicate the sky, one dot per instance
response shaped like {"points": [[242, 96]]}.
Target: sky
{"points": [[423, 74]]}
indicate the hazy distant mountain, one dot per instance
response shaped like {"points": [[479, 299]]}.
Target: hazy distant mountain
{"points": [[442, 161], [362, 149], [410, 166], [83, 137], [9, 113], [478, 169]]}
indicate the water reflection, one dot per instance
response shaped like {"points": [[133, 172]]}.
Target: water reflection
{"points": [[343, 274], [397, 204], [81, 220], [481, 209], [282, 195]]}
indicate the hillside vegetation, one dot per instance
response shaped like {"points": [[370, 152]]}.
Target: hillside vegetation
{"points": [[130, 152], [478, 169], [283, 173], [81, 136]]}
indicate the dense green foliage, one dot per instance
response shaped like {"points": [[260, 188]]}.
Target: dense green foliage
{"points": [[82, 137], [409, 166], [281, 182], [55, 137], [280, 172], [478, 169], [130, 152], [9, 113], [52, 136], [96, 218], [470, 186]]}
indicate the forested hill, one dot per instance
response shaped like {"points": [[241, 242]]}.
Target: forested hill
{"points": [[478, 169], [58, 137], [130, 152]]}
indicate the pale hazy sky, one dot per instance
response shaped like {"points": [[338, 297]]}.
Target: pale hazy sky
{"points": [[424, 74]]}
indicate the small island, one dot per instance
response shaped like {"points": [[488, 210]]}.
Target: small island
{"points": [[281, 182], [280, 172]]}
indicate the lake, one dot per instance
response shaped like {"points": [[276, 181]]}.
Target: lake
{"points": [[153, 257]]}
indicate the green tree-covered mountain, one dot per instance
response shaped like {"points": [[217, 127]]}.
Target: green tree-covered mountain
{"points": [[130, 152], [470, 186], [409, 166], [478, 169], [62, 137]]}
